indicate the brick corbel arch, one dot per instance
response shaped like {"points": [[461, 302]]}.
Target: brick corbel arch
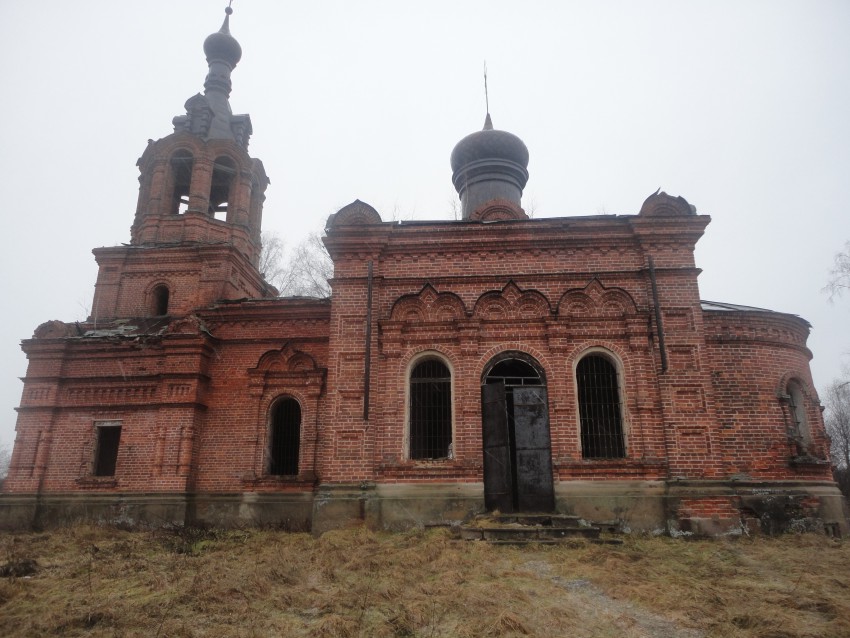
{"points": [[287, 372]]}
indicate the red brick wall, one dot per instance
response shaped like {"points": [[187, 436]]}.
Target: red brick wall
{"points": [[194, 398]]}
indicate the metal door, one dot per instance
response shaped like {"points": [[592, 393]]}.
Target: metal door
{"points": [[498, 477], [535, 491]]}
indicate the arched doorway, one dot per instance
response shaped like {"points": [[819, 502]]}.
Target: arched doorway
{"points": [[515, 436]]}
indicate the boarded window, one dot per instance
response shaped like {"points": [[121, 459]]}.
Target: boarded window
{"points": [[430, 410], [285, 438], [600, 409], [106, 448]]}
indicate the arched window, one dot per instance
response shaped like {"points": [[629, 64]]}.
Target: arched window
{"points": [[430, 416], [160, 300], [181, 179], [224, 171], [797, 411], [514, 373], [600, 408], [285, 438]]}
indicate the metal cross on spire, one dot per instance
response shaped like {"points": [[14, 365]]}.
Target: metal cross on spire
{"points": [[486, 94]]}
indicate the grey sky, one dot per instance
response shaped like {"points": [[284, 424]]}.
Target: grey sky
{"points": [[743, 108]]}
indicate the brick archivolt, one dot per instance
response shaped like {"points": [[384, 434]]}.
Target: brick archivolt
{"points": [[512, 303], [594, 300], [428, 306]]}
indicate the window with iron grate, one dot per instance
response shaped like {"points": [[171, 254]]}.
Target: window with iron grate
{"points": [[285, 438], [600, 408], [430, 415]]}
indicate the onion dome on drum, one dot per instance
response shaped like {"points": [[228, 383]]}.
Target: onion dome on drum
{"points": [[489, 165]]}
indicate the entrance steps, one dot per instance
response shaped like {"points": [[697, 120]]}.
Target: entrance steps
{"points": [[526, 528]]}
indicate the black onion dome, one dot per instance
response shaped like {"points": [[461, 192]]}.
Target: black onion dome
{"points": [[489, 144], [223, 46]]}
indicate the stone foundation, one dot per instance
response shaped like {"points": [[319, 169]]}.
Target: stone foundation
{"points": [[705, 508]]}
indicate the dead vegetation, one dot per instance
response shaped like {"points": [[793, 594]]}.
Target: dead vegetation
{"points": [[98, 581]]}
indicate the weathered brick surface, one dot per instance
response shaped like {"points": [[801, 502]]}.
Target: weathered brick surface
{"points": [[194, 390]]}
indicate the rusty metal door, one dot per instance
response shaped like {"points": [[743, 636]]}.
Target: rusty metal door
{"points": [[498, 477], [534, 488]]}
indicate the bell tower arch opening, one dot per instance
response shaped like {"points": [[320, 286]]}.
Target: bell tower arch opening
{"points": [[223, 176], [181, 179]]}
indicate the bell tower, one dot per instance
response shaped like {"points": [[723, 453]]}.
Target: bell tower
{"points": [[195, 238]]}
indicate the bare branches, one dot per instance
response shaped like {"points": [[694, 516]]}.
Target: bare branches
{"points": [[837, 421], [839, 276], [311, 268], [305, 272], [272, 266]]}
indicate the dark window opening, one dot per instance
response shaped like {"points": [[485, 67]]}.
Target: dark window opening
{"points": [[600, 409], [160, 300], [285, 438], [514, 373], [430, 410], [181, 176], [224, 172], [106, 452]]}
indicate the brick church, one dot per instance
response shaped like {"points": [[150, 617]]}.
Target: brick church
{"points": [[494, 362]]}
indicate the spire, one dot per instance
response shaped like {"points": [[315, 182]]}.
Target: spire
{"points": [[209, 115], [222, 50], [488, 123]]}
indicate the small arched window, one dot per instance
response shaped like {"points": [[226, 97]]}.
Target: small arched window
{"points": [[181, 179], [160, 300], [600, 408], [797, 411], [224, 172], [430, 416], [285, 438]]}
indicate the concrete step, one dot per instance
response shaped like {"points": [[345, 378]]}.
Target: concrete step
{"points": [[523, 527], [526, 532], [550, 520], [556, 541]]}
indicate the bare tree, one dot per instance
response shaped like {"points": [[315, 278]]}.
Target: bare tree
{"points": [[839, 277], [272, 266], [304, 272], [837, 421], [5, 460], [311, 269]]}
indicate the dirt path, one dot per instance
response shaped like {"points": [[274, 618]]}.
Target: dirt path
{"points": [[597, 607]]}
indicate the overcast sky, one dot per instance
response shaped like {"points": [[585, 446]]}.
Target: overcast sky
{"points": [[741, 107]]}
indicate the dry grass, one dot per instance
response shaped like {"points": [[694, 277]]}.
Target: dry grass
{"points": [[93, 581]]}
